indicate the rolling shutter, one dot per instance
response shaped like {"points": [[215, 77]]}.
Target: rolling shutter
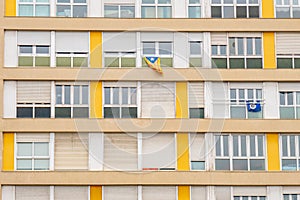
{"points": [[33, 38], [249, 191], [288, 43], [223, 193], [71, 151], [157, 36], [159, 193], [196, 95], [198, 193], [72, 41], [158, 100], [33, 92], [158, 151], [120, 192], [119, 1], [120, 41], [197, 147], [120, 152], [219, 38], [71, 192], [32, 137], [32, 193]]}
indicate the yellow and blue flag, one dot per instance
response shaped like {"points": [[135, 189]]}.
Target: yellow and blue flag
{"points": [[154, 63]]}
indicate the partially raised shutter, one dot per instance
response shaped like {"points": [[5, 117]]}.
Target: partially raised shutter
{"points": [[198, 193], [288, 43], [34, 38], [159, 193], [71, 151], [120, 192], [219, 38], [119, 41], [197, 145], [33, 92], [120, 152], [158, 100], [196, 95], [158, 151], [249, 191], [32, 193], [223, 193], [71, 192], [32, 137], [72, 41]]}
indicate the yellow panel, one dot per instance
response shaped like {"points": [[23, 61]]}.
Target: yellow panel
{"points": [[8, 152], [96, 100], [183, 152], [273, 152], [10, 7], [181, 100], [95, 193], [269, 50], [96, 49], [183, 192], [268, 9]]}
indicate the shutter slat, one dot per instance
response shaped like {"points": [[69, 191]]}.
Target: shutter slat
{"points": [[159, 192], [196, 95], [33, 137], [219, 38], [71, 192], [117, 193], [198, 193], [33, 92], [288, 43], [32, 193]]}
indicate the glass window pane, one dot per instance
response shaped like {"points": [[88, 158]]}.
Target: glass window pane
{"points": [[241, 12], [148, 12], [220, 63], [239, 164], [289, 164], [58, 91], [24, 149], [252, 145], [128, 62], [107, 95], [292, 145], [24, 112], [132, 95], [62, 112], [236, 63], [240, 46], [195, 62], [287, 113], [25, 10], [85, 94], [250, 94], [243, 145], [163, 1], [228, 1], [196, 112], [25, 61], [256, 115], [214, 50], [232, 95], [216, 11], [80, 112], [254, 63], [284, 145], [198, 165], [125, 96], [297, 63], [25, 49], [298, 112], [194, 11], [296, 12], [166, 62], [129, 112], [194, 1], [63, 1], [283, 63], [115, 95], [63, 11], [111, 112], [225, 145], [222, 49], [148, 48], [290, 99], [41, 149], [42, 61], [260, 145], [238, 112], [282, 98], [235, 145], [195, 48], [241, 1], [127, 11], [24, 164], [111, 62], [218, 145], [42, 10], [216, 1], [258, 46], [249, 46], [76, 94], [63, 61], [228, 12], [80, 62], [282, 12], [165, 48], [222, 164], [232, 46], [258, 94], [79, 11], [67, 94], [42, 112], [111, 11], [254, 12], [41, 164], [257, 164], [148, 1], [79, 1]]}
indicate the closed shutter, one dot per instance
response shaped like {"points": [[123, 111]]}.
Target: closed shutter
{"points": [[219, 38], [159, 193], [288, 43], [120, 192], [158, 151], [195, 36], [157, 36], [223, 193], [249, 191], [196, 95], [71, 193], [197, 147], [120, 151], [71, 151], [120, 41], [33, 92], [119, 1], [198, 193], [72, 42], [33, 137], [158, 100], [33, 38], [32, 193]]}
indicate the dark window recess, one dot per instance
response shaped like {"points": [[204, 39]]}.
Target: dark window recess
{"points": [[24, 112], [42, 112], [196, 112], [62, 112]]}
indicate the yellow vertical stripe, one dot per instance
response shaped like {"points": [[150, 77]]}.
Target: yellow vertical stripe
{"points": [[269, 50], [10, 7], [95, 193], [96, 100], [181, 100], [273, 152], [183, 192], [8, 152], [268, 9], [96, 49]]}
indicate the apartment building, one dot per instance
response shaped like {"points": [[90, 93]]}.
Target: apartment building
{"points": [[85, 118]]}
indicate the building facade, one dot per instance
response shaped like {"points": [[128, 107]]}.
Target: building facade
{"points": [[84, 118]]}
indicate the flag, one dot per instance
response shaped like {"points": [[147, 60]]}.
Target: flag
{"points": [[253, 107], [154, 63]]}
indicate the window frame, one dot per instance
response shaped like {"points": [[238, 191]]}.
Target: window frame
{"points": [[119, 10], [192, 5], [196, 56], [156, 6], [34, 55], [294, 104], [72, 56], [249, 198], [34, 4], [72, 4], [288, 56], [291, 196], [290, 6], [288, 156], [118, 56], [157, 53]]}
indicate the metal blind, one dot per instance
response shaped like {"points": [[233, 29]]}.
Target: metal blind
{"points": [[120, 192], [197, 147], [219, 38], [159, 192], [288, 43], [196, 95], [33, 137], [71, 192], [32, 193], [33, 92]]}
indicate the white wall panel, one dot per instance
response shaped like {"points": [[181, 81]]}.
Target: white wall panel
{"points": [[95, 8], [95, 151], [274, 193], [219, 93], [180, 9], [10, 97], [8, 192], [181, 51], [10, 49], [271, 103]]}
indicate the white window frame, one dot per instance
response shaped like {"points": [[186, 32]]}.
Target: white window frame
{"points": [[71, 4], [34, 3], [294, 105], [73, 55], [34, 54], [290, 6], [290, 196], [248, 156], [249, 197], [34, 106], [289, 157], [156, 5], [290, 56], [235, 5], [195, 5], [119, 9], [196, 55], [119, 56]]}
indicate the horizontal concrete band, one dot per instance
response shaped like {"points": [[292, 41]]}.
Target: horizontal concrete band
{"points": [[151, 178], [175, 24], [151, 125], [146, 74]]}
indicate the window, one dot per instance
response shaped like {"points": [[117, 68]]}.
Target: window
{"points": [[249, 198], [196, 100], [119, 11], [242, 52], [238, 103], [120, 102], [120, 59], [195, 54], [32, 156], [156, 9], [71, 8], [289, 105], [34, 55], [71, 101], [194, 9], [291, 197], [71, 59], [39, 8], [290, 152], [163, 50], [287, 8], [197, 151], [235, 9], [239, 152], [288, 61]]}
